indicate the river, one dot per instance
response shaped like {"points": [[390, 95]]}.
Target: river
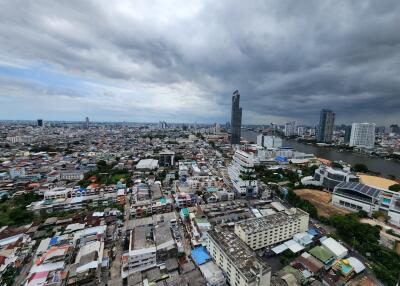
{"points": [[375, 164]]}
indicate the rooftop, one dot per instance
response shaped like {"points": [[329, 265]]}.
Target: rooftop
{"points": [[254, 225], [239, 253], [360, 188]]}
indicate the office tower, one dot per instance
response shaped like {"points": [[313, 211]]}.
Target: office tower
{"points": [[394, 128], [290, 128], [87, 122], [162, 125], [347, 133], [362, 135], [325, 128], [40, 122], [236, 118], [380, 130]]}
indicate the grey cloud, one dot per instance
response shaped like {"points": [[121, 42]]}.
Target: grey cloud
{"points": [[288, 58]]}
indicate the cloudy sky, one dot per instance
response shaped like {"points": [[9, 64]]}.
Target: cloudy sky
{"points": [[180, 61]]}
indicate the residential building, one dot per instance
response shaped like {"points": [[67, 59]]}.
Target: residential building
{"points": [[362, 135], [40, 122], [240, 264], [166, 158], [269, 142], [212, 274], [236, 118], [325, 128], [240, 174], [17, 172], [290, 128], [142, 250], [268, 230]]}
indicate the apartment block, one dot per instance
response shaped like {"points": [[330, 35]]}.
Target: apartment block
{"points": [[268, 230], [240, 264]]}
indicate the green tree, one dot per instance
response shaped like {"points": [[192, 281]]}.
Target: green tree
{"points": [[395, 188], [362, 168]]}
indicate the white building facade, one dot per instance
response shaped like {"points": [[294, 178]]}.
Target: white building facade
{"points": [[362, 135], [268, 230], [242, 163]]}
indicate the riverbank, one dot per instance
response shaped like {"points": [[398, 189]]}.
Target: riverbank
{"points": [[375, 164]]}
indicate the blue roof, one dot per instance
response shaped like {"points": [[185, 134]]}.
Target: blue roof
{"points": [[212, 190], [280, 159], [200, 255], [312, 231], [53, 240]]}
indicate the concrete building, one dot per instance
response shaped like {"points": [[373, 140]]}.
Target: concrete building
{"points": [[40, 122], [142, 250], [236, 118], [362, 135], [241, 164], [325, 128], [17, 172], [269, 142], [355, 196], [212, 274], [329, 177], [166, 158], [240, 264], [268, 230], [290, 128]]}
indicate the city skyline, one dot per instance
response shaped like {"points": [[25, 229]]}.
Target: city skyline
{"points": [[180, 64]]}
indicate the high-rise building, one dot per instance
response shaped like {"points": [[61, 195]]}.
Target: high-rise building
{"points": [[162, 125], [236, 118], [269, 142], [347, 133], [40, 122], [301, 130], [217, 128], [362, 135], [290, 128], [325, 128], [394, 128], [240, 172], [87, 122]]}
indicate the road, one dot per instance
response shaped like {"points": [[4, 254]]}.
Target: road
{"points": [[115, 270], [23, 274]]}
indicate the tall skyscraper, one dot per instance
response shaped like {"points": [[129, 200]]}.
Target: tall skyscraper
{"points": [[40, 122], [394, 128], [347, 134], [236, 118], [325, 128], [87, 122], [362, 135]]}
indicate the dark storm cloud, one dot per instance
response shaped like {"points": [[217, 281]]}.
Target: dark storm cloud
{"points": [[289, 59]]}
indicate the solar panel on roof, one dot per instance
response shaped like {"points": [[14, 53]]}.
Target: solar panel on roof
{"points": [[352, 184]]}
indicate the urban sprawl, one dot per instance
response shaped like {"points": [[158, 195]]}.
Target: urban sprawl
{"points": [[89, 203]]}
